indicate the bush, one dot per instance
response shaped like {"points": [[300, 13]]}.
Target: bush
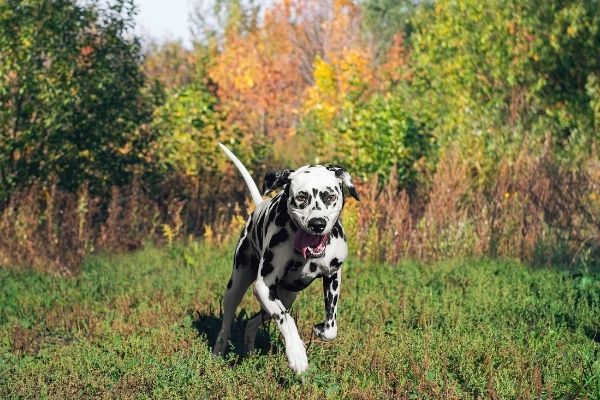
{"points": [[493, 76], [380, 137], [72, 93]]}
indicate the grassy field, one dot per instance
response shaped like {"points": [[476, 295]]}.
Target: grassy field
{"points": [[141, 325]]}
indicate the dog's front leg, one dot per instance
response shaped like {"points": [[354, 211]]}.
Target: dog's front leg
{"points": [[294, 347], [331, 292]]}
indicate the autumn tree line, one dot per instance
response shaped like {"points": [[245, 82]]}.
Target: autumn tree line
{"points": [[471, 127]]}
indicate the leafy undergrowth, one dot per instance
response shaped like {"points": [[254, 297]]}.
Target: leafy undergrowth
{"points": [[141, 326]]}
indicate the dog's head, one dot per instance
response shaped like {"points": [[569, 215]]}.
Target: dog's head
{"points": [[315, 198]]}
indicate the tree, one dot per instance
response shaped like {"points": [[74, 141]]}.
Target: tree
{"points": [[383, 20], [71, 93], [499, 75], [379, 137], [188, 127]]}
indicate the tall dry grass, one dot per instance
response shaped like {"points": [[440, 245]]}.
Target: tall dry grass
{"points": [[52, 230], [533, 210]]}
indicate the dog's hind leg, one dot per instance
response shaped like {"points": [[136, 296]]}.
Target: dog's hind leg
{"points": [[287, 298], [243, 274], [252, 328]]}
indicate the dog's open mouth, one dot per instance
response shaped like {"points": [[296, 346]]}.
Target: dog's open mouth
{"points": [[310, 246]]}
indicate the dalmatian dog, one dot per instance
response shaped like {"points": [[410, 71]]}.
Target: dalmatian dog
{"points": [[289, 241]]}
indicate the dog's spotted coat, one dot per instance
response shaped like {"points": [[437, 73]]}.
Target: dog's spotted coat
{"points": [[311, 200]]}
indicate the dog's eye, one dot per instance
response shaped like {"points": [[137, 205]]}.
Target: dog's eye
{"points": [[331, 198], [301, 198]]}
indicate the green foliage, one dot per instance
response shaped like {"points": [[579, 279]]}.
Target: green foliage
{"points": [[383, 19], [494, 76], [71, 92], [188, 127], [189, 124], [141, 326], [379, 137], [213, 20]]}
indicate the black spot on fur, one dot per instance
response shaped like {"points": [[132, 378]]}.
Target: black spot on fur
{"points": [[229, 284], [288, 267], [295, 286], [273, 292], [327, 325], [241, 257], [281, 218], [307, 171], [261, 221], [287, 286], [306, 202], [340, 230], [313, 267], [292, 266], [282, 214], [240, 260], [267, 267], [334, 231], [299, 284], [260, 230], [332, 323], [272, 215], [325, 197], [334, 284], [254, 263], [335, 263], [276, 179], [278, 238], [335, 298]]}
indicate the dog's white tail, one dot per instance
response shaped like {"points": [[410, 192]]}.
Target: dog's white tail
{"points": [[254, 192]]}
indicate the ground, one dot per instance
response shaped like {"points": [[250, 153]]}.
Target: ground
{"points": [[141, 325]]}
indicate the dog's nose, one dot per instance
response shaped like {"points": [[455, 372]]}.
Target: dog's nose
{"points": [[317, 225]]}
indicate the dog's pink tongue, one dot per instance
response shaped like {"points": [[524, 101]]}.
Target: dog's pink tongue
{"points": [[305, 242]]}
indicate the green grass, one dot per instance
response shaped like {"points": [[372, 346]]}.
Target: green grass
{"points": [[140, 326]]}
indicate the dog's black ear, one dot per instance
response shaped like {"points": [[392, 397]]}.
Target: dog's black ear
{"points": [[276, 179], [343, 175]]}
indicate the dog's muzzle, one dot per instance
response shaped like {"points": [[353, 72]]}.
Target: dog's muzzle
{"points": [[309, 245]]}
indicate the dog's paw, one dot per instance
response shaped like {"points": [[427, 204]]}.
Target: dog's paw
{"points": [[220, 344], [249, 347], [296, 355], [324, 331]]}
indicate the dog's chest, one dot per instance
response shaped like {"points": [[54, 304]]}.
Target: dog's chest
{"points": [[299, 273]]}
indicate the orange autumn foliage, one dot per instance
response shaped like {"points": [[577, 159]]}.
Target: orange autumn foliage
{"points": [[305, 54], [257, 78]]}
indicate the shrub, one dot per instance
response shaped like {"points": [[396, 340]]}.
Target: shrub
{"points": [[72, 94]]}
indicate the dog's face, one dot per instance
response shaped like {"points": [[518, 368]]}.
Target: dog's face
{"points": [[315, 199], [315, 195]]}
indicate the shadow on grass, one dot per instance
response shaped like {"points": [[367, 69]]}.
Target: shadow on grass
{"points": [[209, 325]]}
